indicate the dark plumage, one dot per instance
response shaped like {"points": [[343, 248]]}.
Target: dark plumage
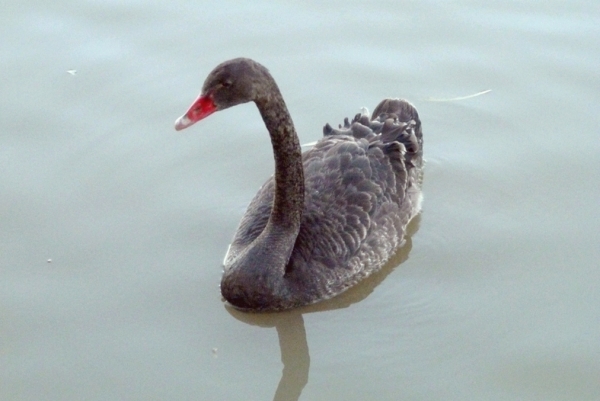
{"points": [[329, 217]]}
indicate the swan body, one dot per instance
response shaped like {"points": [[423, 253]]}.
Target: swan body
{"points": [[330, 216]]}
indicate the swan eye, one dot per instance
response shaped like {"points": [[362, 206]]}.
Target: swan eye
{"points": [[226, 84]]}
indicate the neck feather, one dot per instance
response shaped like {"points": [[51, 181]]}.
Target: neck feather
{"points": [[264, 261], [289, 175]]}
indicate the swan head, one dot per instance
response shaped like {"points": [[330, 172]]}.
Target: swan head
{"points": [[233, 82]]}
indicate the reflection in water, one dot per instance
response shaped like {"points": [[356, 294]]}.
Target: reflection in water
{"points": [[290, 325], [293, 346], [294, 355]]}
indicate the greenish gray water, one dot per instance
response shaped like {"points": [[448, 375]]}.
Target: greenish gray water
{"points": [[494, 297]]}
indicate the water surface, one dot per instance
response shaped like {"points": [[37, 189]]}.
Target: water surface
{"points": [[114, 226]]}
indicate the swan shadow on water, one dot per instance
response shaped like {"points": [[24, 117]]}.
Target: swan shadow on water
{"points": [[290, 325]]}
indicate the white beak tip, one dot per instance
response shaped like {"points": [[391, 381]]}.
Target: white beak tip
{"points": [[182, 122]]}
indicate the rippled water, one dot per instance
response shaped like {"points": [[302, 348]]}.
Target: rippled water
{"points": [[113, 226]]}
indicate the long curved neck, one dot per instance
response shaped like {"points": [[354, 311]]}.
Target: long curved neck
{"points": [[288, 204], [255, 279]]}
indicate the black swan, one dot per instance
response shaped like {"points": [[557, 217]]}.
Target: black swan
{"points": [[330, 216]]}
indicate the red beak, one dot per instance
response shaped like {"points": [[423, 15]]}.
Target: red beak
{"points": [[201, 108]]}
